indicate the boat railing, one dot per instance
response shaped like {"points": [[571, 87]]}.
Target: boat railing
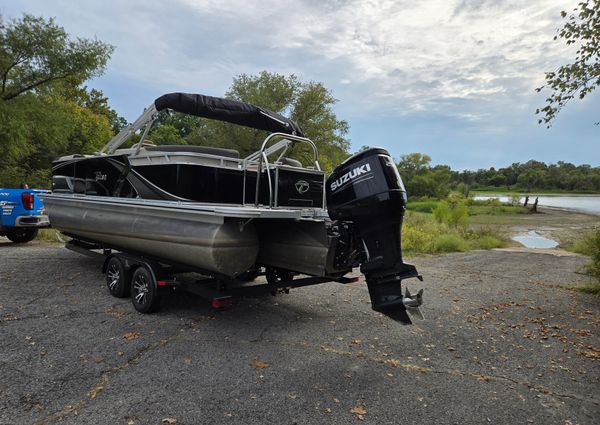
{"points": [[261, 158]]}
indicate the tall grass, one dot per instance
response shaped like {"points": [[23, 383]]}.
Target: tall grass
{"points": [[422, 234], [589, 245]]}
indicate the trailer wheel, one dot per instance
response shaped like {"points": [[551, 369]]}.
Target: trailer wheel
{"points": [[21, 234], [117, 278], [144, 293]]}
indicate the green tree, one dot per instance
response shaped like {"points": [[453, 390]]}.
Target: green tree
{"points": [[35, 52], [413, 163], [420, 179], [309, 104], [45, 111], [581, 77]]}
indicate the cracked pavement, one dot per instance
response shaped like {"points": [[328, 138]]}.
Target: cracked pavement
{"points": [[505, 341]]}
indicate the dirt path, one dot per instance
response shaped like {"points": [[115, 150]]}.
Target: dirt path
{"points": [[560, 225], [505, 341]]}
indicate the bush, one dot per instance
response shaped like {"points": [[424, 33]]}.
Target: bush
{"points": [[459, 215], [453, 212], [450, 243], [487, 242], [422, 206], [441, 212], [594, 249]]}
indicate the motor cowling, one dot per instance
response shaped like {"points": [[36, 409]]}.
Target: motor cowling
{"points": [[367, 191]]}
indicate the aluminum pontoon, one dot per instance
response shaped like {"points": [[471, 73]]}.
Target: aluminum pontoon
{"points": [[205, 209]]}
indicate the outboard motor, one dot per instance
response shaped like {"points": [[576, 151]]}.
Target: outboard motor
{"points": [[367, 191]]}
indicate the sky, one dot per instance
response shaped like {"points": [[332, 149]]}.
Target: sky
{"points": [[454, 79]]}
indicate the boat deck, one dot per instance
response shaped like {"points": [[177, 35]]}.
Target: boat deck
{"points": [[222, 210]]}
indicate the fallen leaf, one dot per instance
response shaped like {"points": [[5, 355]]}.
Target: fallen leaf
{"points": [[131, 335], [356, 341], [257, 364], [581, 331], [359, 411], [592, 354], [95, 391], [169, 421]]}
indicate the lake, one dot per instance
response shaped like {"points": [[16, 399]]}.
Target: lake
{"points": [[584, 203]]}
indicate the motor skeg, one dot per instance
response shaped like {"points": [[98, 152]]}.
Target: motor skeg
{"points": [[367, 191]]}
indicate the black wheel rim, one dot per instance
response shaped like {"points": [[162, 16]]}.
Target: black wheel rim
{"points": [[141, 289], [113, 275]]}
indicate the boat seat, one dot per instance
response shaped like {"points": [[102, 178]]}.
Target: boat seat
{"points": [[229, 153], [291, 162]]}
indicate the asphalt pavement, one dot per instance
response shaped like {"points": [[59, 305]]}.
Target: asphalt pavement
{"points": [[505, 340]]}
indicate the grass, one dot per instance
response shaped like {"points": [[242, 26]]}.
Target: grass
{"points": [[589, 244], [422, 234], [431, 228], [50, 235], [476, 207], [590, 288]]}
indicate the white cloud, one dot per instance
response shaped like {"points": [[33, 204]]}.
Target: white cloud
{"points": [[402, 56]]}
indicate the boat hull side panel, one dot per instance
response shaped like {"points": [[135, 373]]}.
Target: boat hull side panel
{"points": [[300, 246], [202, 241]]}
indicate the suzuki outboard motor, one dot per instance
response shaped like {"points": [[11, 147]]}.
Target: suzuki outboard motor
{"points": [[367, 191]]}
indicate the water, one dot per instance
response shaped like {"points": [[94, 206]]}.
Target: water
{"points": [[584, 203], [534, 240]]}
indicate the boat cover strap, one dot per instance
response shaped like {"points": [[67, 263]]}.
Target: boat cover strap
{"points": [[228, 110]]}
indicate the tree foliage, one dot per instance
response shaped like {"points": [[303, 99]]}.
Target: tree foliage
{"points": [[35, 52], [420, 179], [423, 180], [581, 77], [45, 111], [533, 175]]}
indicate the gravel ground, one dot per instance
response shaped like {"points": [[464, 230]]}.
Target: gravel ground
{"points": [[505, 341]]}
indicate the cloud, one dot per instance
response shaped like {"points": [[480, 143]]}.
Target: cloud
{"points": [[405, 56]]}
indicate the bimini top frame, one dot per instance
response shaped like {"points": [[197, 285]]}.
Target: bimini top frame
{"points": [[211, 107]]}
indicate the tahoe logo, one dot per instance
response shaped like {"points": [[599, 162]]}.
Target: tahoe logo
{"points": [[302, 186], [350, 175]]}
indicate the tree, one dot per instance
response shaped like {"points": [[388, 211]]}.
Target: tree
{"points": [[581, 77], [45, 112], [35, 52], [309, 104], [422, 180], [413, 163]]}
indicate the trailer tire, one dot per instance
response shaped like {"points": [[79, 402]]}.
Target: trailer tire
{"points": [[117, 278], [144, 291], [21, 234]]}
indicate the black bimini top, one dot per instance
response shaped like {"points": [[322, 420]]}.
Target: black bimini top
{"points": [[231, 111]]}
